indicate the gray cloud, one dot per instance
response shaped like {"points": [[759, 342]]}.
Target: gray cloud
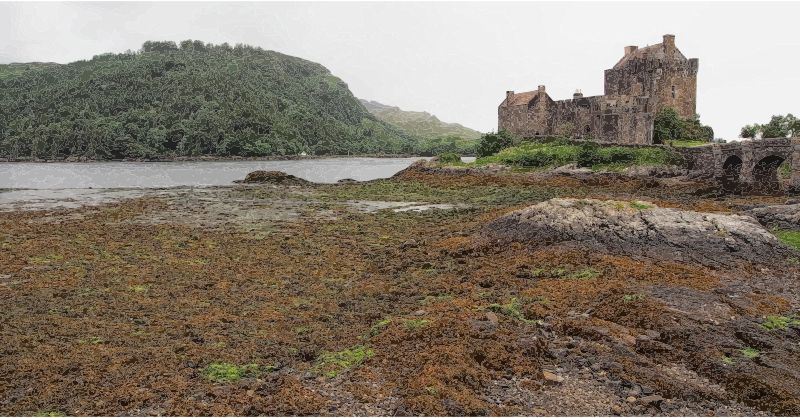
{"points": [[454, 60]]}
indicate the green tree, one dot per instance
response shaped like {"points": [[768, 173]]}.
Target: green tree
{"points": [[668, 126], [775, 128], [750, 131], [491, 143]]}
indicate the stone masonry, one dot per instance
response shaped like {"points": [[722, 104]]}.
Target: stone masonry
{"points": [[643, 82]]}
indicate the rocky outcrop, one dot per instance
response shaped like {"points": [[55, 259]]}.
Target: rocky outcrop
{"points": [[784, 217], [433, 167], [656, 171], [642, 229], [273, 177]]}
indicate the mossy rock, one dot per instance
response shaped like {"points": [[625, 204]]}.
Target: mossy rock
{"points": [[272, 177]]}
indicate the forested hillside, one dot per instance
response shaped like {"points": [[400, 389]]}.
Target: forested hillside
{"points": [[188, 100]]}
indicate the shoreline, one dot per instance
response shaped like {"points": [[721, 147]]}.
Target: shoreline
{"points": [[212, 159]]}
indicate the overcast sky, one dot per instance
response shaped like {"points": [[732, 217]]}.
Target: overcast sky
{"points": [[454, 60]]}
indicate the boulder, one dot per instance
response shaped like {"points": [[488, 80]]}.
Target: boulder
{"points": [[273, 177], [641, 229], [784, 217]]}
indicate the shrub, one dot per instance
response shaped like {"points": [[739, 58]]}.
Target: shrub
{"points": [[491, 143], [618, 155], [751, 352], [450, 158], [589, 154], [778, 323], [334, 363]]}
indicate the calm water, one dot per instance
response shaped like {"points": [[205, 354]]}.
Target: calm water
{"points": [[189, 173]]}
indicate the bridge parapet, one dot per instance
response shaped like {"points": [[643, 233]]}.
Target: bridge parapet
{"points": [[748, 161]]}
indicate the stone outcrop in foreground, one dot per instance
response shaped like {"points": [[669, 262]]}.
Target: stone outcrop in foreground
{"points": [[642, 229], [272, 177], [784, 217]]}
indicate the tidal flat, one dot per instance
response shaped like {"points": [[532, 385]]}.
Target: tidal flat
{"points": [[331, 299]]}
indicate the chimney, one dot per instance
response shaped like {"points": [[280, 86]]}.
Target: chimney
{"points": [[577, 94], [669, 45], [541, 93], [509, 95], [629, 49]]}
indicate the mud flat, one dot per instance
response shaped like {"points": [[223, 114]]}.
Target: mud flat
{"points": [[342, 299]]}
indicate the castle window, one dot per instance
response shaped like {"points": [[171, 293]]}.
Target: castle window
{"points": [[673, 92]]}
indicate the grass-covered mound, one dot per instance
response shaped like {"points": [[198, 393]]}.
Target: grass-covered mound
{"points": [[589, 154]]}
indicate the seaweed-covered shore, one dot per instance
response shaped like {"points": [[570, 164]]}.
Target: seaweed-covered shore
{"points": [[350, 299]]}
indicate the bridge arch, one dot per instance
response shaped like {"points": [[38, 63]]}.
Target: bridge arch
{"points": [[765, 171], [732, 168]]}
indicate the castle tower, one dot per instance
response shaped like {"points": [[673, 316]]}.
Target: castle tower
{"points": [[540, 117]]}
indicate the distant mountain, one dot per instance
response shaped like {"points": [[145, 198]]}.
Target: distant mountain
{"points": [[421, 124]]}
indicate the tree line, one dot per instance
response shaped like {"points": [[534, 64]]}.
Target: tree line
{"points": [[779, 126]]}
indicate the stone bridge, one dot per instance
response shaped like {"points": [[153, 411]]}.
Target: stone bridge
{"points": [[753, 162]]}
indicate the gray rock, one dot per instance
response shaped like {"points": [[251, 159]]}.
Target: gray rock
{"points": [[560, 353], [401, 412], [274, 177], [221, 390], [652, 399], [785, 217], [674, 235]]}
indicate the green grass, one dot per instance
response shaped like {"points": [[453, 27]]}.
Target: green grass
{"points": [[543, 156], [750, 352], [689, 143], [229, 373], [50, 414], [791, 239], [140, 288], [332, 363], [376, 329], [727, 360], [413, 324], [632, 298], [639, 205], [778, 323], [303, 329], [512, 309], [785, 170]]}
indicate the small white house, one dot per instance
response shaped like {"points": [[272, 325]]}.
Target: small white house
{"points": [[303, 153]]}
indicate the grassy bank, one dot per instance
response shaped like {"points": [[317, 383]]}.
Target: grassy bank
{"points": [[543, 156]]}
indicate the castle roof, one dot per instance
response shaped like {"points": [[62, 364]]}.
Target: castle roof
{"points": [[521, 98], [639, 53]]}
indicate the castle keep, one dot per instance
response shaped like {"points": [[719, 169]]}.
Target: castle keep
{"points": [[643, 82]]}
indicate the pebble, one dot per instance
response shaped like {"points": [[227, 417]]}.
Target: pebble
{"points": [[631, 399]]}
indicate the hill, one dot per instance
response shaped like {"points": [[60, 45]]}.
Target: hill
{"points": [[422, 124], [187, 100], [16, 69]]}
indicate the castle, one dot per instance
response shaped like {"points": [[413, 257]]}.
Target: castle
{"points": [[643, 82]]}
